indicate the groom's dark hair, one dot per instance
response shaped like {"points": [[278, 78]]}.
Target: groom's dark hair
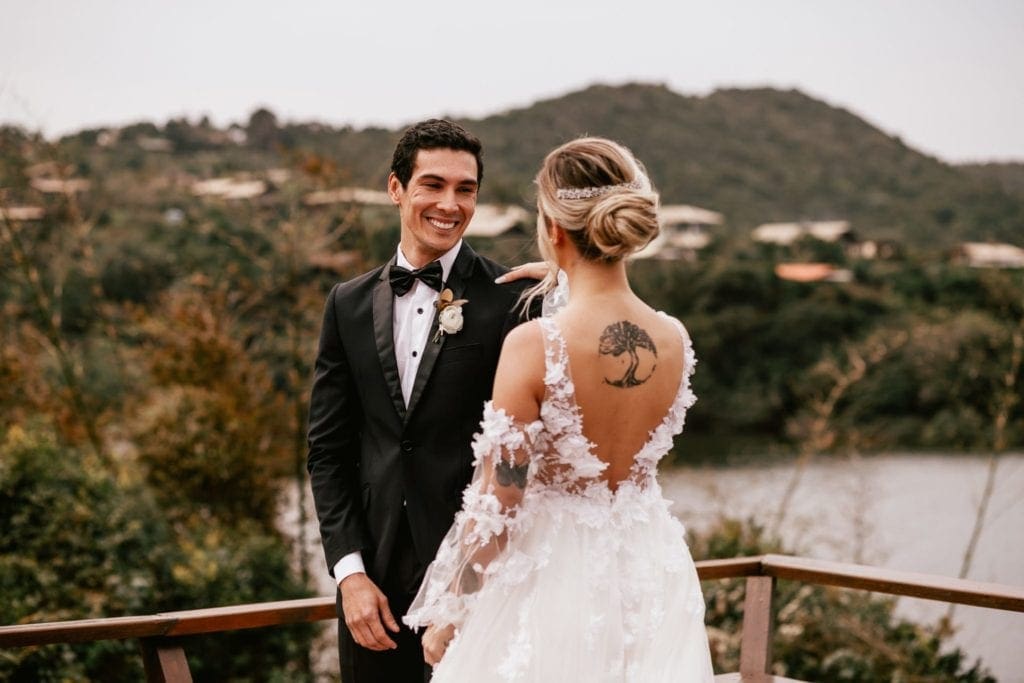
{"points": [[434, 134]]}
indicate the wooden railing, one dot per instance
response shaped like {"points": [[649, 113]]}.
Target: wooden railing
{"points": [[164, 656]]}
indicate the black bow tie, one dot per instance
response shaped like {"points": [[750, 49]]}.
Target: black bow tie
{"points": [[402, 279]]}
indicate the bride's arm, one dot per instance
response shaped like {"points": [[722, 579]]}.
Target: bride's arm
{"points": [[503, 469], [505, 448], [519, 380]]}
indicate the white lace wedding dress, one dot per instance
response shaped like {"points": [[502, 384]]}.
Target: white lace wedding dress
{"points": [[548, 573]]}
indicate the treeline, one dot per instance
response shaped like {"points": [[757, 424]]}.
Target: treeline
{"points": [[755, 155], [909, 355], [153, 372]]}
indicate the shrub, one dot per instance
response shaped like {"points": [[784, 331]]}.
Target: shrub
{"points": [[77, 544]]}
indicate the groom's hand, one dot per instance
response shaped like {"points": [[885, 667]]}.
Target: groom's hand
{"points": [[535, 270], [367, 612]]}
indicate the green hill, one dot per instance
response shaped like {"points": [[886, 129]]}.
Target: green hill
{"points": [[756, 155], [765, 155], [1010, 175]]}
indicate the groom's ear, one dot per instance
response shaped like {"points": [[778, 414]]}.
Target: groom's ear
{"points": [[394, 188]]}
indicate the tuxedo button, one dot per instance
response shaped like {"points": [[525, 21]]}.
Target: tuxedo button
{"points": [[407, 446]]}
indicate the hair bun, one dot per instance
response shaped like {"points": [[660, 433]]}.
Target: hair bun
{"points": [[623, 222]]}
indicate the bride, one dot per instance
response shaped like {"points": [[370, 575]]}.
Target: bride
{"points": [[565, 563]]}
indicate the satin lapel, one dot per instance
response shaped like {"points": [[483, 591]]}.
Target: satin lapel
{"points": [[461, 270], [384, 333]]}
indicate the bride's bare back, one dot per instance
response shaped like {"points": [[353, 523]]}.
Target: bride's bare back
{"points": [[626, 364]]}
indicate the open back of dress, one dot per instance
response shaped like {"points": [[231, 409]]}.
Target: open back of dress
{"points": [[562, 415]]}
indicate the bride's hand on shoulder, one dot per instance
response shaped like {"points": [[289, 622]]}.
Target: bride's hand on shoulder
{"points": [[435, 642], [535, 270]]}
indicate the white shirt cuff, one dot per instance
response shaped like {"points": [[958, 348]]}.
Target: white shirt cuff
{"points": [[349, 565]]}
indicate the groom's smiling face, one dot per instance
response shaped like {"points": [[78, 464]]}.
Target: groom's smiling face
{"points": [[437, 204]]}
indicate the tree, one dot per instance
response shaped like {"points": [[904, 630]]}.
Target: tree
{"points": [[76, 544], [54, 289], [210, 430], [262, 130]]}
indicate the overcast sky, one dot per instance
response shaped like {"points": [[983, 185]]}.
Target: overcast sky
{"points": [[945, 75]]}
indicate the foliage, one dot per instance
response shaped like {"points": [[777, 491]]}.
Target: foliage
{"points": [[78, 544], [761, 343], [1009, 174], [944, 380], [824, 633], [756, 155], [212, 427]]}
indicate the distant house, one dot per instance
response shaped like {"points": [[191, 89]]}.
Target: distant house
{"points": [[875, 249], [154, 144], [347, 195], [990, 255], [785, 234], [21, 213], [685, 230], [108, 137], [229, 188], [494, 220], [60, 185], [50, 177], [279, 176], [812, 272], [237, 134], [337, 262], [47, 169], [174, 216]]}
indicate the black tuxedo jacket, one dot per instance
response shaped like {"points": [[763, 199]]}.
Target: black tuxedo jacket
{"points": [[370, 456]]}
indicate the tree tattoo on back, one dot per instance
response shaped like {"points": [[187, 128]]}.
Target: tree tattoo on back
{"points": [[626, 337]]}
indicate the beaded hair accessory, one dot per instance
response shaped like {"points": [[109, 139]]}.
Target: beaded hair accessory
{"points": [[590, 192]]}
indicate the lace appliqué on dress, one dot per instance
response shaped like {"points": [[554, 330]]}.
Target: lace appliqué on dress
{"points": [[556, 298]]}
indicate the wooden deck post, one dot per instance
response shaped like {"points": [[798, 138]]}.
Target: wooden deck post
{"points": [[756, 643], [165, 661]]}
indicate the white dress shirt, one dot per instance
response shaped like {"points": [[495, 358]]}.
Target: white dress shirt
{"points": [[413, 319]]}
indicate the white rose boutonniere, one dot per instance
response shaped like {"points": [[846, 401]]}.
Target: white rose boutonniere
{"points": [[449, 314]]}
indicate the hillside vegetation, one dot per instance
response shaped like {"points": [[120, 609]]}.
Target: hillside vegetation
{"points": [[755, 155], [764, 155]]}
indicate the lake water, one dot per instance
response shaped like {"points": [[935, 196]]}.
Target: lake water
{"points": [[906, 512]]}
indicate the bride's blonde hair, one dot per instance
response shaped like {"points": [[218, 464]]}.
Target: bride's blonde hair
{"points": [[599, 193]]}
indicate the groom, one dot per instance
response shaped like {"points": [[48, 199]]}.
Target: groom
{"points": [[397, 396]]}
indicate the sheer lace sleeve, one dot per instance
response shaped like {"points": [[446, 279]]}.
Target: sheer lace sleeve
{"points": [[505, 452]]}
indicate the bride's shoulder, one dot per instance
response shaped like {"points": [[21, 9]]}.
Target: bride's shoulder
{"points": [[674, 322], [519, 380], [524, 340]]}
